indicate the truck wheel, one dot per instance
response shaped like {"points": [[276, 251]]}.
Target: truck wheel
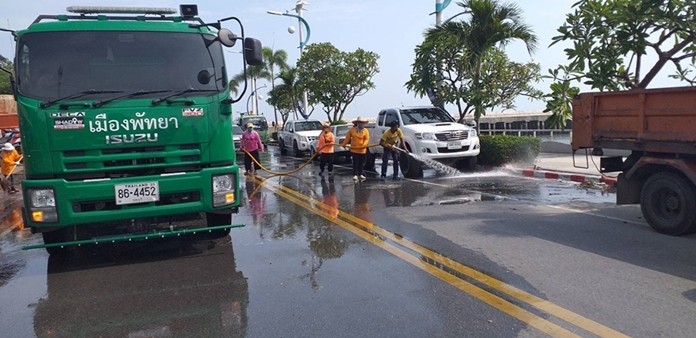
{"points": [[296, 149], [668, 203], [55, 236], [281, 145], [370, 161], [410, 167], [213, 220], [467, 163]]}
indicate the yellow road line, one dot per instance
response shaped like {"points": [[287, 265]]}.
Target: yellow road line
{"points": [[495, 301], [540, 303]]}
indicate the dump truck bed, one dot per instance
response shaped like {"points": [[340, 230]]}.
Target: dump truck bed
{"points": [[653, 120]]}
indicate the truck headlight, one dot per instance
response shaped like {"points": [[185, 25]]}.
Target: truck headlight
{"points": [[42, 205], [223, 189], [425, 136], [472, 133]]}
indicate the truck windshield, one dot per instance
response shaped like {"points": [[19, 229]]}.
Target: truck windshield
{"points": [[307, 125], [54, 64], [259, 122], [425, 115]]}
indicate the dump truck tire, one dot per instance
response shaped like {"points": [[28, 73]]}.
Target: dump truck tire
{"points": [[668, 203]]}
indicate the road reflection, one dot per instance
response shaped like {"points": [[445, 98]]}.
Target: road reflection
{"points": [[174, 288]]}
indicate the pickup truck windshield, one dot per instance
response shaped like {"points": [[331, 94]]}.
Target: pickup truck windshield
{"points": [[54, 64], [425, 115], [307, 125]]}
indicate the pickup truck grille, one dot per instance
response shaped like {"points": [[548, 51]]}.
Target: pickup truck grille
{"points": [[129, 162], [452, 135], [311, 138]]}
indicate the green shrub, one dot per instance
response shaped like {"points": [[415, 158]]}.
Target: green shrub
{"points": [[501, 149]]}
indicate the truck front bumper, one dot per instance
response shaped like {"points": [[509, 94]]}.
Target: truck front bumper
{"points": [[443, 150], [94, 201]]}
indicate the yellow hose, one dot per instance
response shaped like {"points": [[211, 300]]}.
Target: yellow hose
{"points": [[300, 167]]}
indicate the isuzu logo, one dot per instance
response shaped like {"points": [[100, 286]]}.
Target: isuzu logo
{"points": [[132, 138]]}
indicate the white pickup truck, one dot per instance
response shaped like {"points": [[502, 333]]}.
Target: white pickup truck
{"points": [[297, 135], [428, 132]]}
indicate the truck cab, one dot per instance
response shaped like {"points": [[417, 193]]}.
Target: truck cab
{"points": [[125, 115], [429, 132]]}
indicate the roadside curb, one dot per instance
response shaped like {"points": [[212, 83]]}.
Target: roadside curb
{"points": [[538, 172]]}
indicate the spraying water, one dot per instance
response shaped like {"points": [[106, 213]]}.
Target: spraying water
{"points": [[438, 166]]}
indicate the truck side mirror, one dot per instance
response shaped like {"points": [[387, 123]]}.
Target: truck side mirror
{"points": [[253, 51], [227, 38]]}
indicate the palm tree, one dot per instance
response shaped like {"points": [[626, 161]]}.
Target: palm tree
{"points": [[286, 94], [489, 25], [272, 59]]}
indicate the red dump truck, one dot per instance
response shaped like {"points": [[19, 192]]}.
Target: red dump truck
{"points": [[658, 127]]}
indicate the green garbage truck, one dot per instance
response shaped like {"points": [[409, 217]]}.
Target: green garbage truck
{"points": [[126, 121]]}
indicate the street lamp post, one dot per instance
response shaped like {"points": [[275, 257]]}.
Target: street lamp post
{"points": [[256, 98], [299, 6]]}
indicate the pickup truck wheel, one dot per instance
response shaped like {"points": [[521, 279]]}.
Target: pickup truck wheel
{"points": [[668, 203], [55, 236], [467, 163], [410, 167], [213, 220], [296, 149], [281, 145]]}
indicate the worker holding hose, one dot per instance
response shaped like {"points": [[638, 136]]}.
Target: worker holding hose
{"points": [[10, 160], [358, 138], [325, 149], [391, 140]]}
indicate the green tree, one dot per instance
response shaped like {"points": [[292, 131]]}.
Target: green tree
{"points": [[5, 86], [501, 80], [335, 78], [611, 42], [286, 94], [487, 25]]}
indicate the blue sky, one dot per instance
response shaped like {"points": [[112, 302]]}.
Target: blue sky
{"points": [[390, 28]]}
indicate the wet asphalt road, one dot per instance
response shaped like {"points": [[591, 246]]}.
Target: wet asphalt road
{"points": [[470, 255]]}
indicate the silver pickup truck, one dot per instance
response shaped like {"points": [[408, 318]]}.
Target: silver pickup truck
{"points": [[429, 132]]}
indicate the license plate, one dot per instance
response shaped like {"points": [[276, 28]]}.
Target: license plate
{"points": [[132, 193], [454, 145]]}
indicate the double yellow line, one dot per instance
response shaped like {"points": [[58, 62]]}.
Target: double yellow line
{"points": [[451, 271]]}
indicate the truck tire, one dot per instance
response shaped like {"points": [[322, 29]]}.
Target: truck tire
{"points": [[281, 145], [55, 236], [410, 167], [668, 203], [213, 220], [467, 163], [296, 149]]}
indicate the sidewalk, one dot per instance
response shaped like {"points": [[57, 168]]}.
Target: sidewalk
{"points": [[556, 161]]}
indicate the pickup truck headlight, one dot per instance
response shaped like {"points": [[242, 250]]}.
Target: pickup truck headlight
{"points": [[425, 136], [472, 133], [223, 190], [304, 139], [42, 205]]}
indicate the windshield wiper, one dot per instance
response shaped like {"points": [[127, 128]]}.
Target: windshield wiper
{"points": [[179, 93], [48, 103], [129, 95]]}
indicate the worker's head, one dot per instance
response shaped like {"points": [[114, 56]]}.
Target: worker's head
{"points": [[7, 147], [250, 125], [394, 125], [360, 122], [326, 127]]}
